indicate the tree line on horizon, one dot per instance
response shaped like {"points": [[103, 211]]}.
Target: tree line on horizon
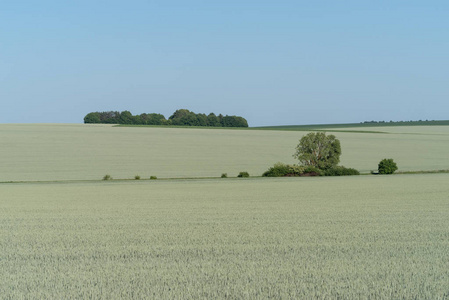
{"points": [[181, 117]]}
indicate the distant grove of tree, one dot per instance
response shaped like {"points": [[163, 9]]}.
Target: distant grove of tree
{"points": [[391, 121], [181, 117]]}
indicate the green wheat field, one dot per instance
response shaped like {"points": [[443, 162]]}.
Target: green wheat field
{"points": [[66, 234], [46, 152]]}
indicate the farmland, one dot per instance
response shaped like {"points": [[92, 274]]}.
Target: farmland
{"points": [[40, 152], [357, 237], [66, 234]]}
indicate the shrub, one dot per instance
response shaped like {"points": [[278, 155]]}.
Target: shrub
{"points": [[387, 166], [296, 170], [153, 177], [311, 171], [224, 175], [341, 171], [107, 177], [278, 170], [137, 177], [243, 174], [283, 170]]}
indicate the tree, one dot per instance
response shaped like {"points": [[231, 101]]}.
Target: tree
{"points": [[202, 119], [319, 150], [234, 121], [387, 166], [178, 115], [126, 117], [212, 120], [184, 117], [152, 119], [109, 117], [181, 117], [93, 117]]}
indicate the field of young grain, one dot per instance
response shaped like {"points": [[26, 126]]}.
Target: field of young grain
{"points": [[33, 152], [379, 237]]}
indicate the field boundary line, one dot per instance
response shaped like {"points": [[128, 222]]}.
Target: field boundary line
{"points": [[122, 180]]}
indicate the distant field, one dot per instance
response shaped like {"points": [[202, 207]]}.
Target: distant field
{"points": [[379, 237], [33, 152], [419, 130], [355, 126]]}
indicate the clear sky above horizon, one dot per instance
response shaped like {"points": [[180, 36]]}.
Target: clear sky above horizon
{"points": [[274, 63]]}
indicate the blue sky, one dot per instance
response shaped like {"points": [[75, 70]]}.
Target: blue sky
{"points": [[273, 62]]}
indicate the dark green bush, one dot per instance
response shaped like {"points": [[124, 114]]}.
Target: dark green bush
{"points": [[107, 177], [224, 175], [137, 177], [243, 174], [387, 166], [278, 170], [153, 177], [282, 170], [341, 171], [93, 117], [312, 171]]}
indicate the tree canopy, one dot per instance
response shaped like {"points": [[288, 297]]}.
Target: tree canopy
{"points": [[387, 166], [181, 117], [319, 150]]}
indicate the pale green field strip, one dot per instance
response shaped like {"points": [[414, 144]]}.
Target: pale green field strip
{"points": [[430, 129], [273, 128], [357, 126], [360, 237], [47, 152], [124, 180], [417, 130]]}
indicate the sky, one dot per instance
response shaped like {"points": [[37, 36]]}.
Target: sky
{"points": [[272, 62]]}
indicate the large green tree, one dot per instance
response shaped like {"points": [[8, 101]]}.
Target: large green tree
{"points": [[93, 117], [319, 150]]}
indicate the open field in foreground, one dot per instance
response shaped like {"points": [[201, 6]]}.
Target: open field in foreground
{"points": [[33, 152], [378, 237]]}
